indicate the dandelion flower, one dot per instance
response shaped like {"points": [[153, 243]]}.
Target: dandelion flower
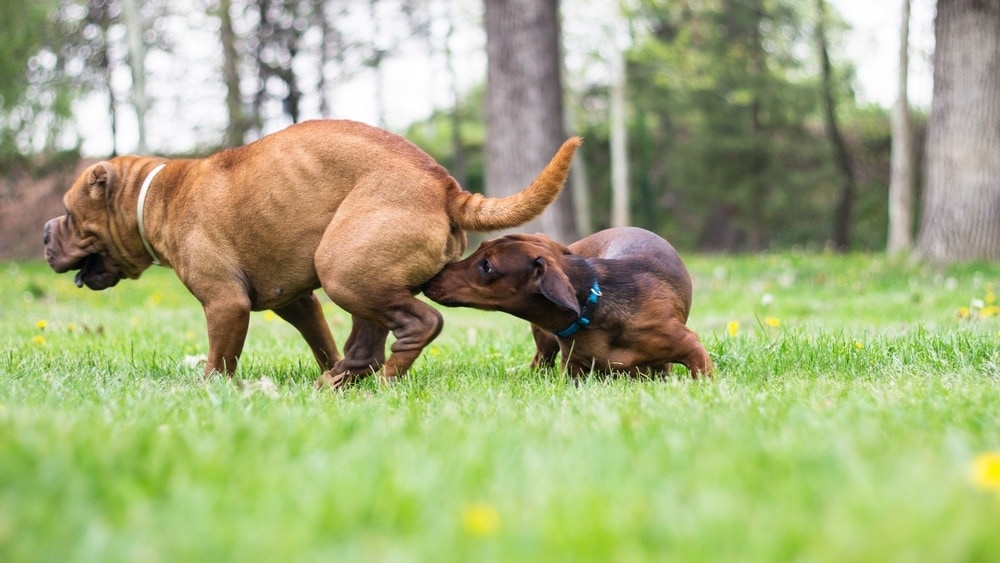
{"points": [[986, 471], [990, 297], [480, 519], [38, 340], [963, 313], [772, 322], [42, 324], [989, 311], [733, 328], [270, 316], [858, 344]]}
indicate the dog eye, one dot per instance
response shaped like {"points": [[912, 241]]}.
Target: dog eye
{"points": [[485, 268]]}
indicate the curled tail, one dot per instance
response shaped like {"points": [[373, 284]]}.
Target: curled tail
{"points": [[477, 212]]}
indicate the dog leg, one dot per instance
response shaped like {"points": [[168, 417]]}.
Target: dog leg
{"points": [[686, 349], [227, 331], [546, 348], [306, 315], [364, 354]]}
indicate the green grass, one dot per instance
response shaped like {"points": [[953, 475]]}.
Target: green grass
{"points": [[847, 432]]}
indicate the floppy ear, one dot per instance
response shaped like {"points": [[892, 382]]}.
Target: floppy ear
{"points": [[101, 180], [554, 285]]}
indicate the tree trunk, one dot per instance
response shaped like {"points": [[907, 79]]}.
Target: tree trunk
{"points": [[524, 104], [961, 215], [237, 125], [842, 216], [901, 179], [134, 31]]}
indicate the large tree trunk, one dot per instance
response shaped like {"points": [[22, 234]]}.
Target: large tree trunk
{"points": [[961, 216], [901, 178], [524, 104]]}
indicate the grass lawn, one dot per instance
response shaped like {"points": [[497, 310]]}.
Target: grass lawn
{"points": [[852, 418]]}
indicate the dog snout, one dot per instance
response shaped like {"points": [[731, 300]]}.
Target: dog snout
{"points": [[47, 232]]}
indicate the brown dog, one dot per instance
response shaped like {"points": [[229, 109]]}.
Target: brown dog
{"points": [[359, 211], [617, 300]]}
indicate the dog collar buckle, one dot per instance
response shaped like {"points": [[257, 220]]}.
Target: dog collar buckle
{"points": [[139, 209], [585, 313]]}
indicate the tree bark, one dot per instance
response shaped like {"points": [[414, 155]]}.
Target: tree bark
{"points": [[524, 104], [961, 215], [901, 177]]}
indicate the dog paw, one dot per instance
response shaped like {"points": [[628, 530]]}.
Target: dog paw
{"points": [[334, 381]]}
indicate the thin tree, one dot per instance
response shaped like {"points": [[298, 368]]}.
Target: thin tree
{"points": [[524, 103], [238, 123], [842, 216], [135, 29], [901, 176], [620, 215], [961, 196]]}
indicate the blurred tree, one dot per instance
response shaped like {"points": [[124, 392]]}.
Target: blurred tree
{"points": [[238, 123], [900, 237], [961, 214], [729, 119], [524, 104], [842, 216], [34, 100], [135, 32]]}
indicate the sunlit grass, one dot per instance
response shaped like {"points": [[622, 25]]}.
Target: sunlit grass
{"points": [[855, 416]]}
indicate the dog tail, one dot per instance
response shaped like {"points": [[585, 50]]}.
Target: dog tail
{"points": [[477, 212]]}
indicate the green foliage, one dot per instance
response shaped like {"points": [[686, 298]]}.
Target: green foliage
{"points": [[33, 104], [848, 412], [728, 149]]}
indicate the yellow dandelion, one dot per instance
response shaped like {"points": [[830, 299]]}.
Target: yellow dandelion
{"points": [[733, 328], [71, 327], [156, 298], [990, 311], [434, 351], [270, 316], [963, 313], [990, 297], [38, 340], [772, 322], [858, 344], [480, 519], [42, 324], [986, 471]]}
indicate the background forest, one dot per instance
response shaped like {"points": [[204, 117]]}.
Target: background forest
{"points": [[727, 125]]}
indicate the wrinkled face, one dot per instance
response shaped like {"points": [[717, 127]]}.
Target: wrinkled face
{"points": [[504, 274], [79, 240]]}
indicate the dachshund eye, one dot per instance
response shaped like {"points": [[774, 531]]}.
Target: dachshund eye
{"points": [[485, 268]]}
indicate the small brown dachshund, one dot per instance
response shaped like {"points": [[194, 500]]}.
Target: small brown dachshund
{"points": [[617, 300]]}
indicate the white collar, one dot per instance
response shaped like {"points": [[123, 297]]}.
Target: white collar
{"points": [[140, 205]]}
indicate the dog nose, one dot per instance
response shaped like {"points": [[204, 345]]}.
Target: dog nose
{"points": [[48, 233]]}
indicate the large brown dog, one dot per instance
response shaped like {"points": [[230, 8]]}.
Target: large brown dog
{"points": [[615, 301], [359, 211]]}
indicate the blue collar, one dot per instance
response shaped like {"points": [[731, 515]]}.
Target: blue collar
{"points": [[588, 310]]}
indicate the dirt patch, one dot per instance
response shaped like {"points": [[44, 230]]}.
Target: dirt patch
{"points": [[27, 201]]}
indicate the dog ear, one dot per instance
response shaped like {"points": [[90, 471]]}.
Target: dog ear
{"points": [[101, 180], [554, 285]]}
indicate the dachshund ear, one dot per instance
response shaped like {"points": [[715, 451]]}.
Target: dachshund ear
{"points": [[554, 285], [101, 180]]}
